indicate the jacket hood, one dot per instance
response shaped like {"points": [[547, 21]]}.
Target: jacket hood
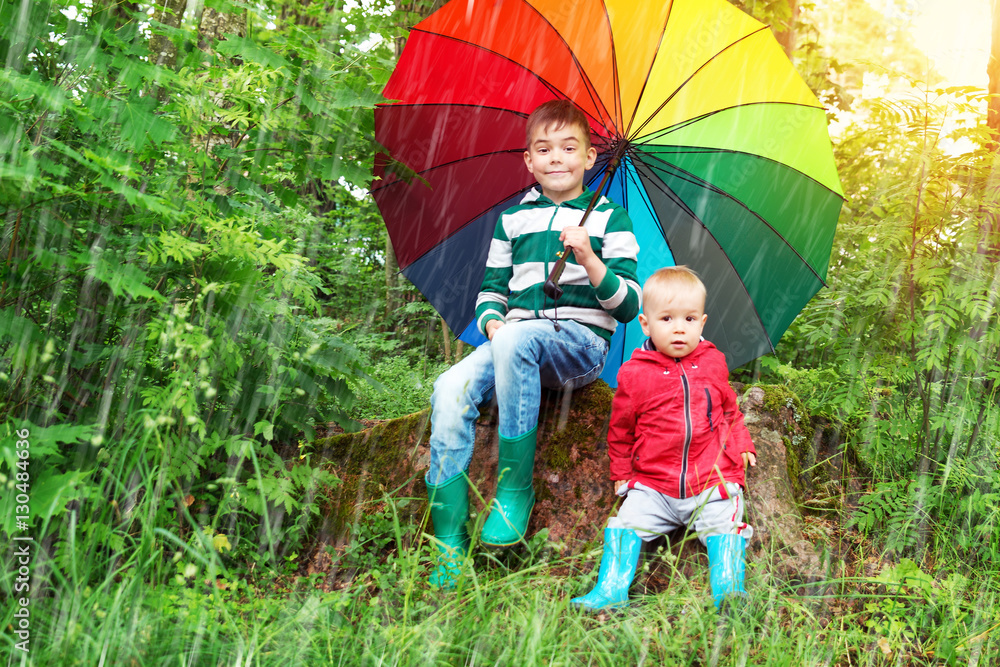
{"points": [[534, 197], [649, 353]]}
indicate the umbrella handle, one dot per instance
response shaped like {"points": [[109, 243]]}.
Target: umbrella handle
{"points": [[551, 286]]}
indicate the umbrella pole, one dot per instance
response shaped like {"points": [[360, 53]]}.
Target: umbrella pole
{"points": [[551, 287]]}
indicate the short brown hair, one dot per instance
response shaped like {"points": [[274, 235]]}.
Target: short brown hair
{"points": [[672, 277], [558, 113]]}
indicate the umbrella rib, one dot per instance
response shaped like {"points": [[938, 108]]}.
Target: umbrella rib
{"points": [[694, 74], [700, 150], [468, 222], [448, 164], [649, 73], [697, 119], [691, 178], [446, 104], [632, 175], [591, 89], [395, 105], [649, 139], [695, 180], [614, 65], [674, 198], [546, 83], [670, 194]]}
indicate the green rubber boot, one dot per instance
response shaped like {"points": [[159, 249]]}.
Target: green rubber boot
{"points": [[511, 508], [449, 504]]}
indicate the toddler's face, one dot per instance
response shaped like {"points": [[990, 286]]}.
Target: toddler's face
{"points": [[674, 321]]}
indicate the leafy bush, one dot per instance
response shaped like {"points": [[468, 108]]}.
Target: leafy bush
{"points": [[399, 389], [905, 345], [162, 327]]}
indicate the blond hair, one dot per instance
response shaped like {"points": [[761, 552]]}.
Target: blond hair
{"points": [[557, 114], [672, 278]]}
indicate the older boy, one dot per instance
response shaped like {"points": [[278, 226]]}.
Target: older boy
{"points": [[678, 445], [533, 341]]}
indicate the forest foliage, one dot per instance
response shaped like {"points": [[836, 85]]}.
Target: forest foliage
{"points": [[192, 283], [904, 344], [164, 300]]}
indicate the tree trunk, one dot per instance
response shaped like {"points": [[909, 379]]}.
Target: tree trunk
{"points": [[298, 14], [113, 14], [785, 34], [993, 70], [446, 336], [215, 25], [162, 51], [391, 264], [391, 279], [212, 28], [989, 244]]}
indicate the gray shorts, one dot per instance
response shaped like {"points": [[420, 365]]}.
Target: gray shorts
{"points": [[651, 513]]}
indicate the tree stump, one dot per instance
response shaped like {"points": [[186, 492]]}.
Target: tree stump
{"points": [[572, 484]]}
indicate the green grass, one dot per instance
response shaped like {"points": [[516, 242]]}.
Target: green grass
{"points": [[112, 585], [189, 609]]}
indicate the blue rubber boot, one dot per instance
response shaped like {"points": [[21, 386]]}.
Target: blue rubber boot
{"points": [[449, 504], [726, 568], [621, 557], [515, 497]]}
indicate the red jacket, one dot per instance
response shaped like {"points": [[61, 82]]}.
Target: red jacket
{"points": [[675, 424]]}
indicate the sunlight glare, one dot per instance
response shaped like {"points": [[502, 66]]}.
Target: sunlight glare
{"points": [[955, 34]]}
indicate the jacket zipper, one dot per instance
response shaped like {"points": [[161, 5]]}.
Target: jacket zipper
{"points": [[687, 430]]}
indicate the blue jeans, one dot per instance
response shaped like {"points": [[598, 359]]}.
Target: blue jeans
{"points": [[522, 358]]}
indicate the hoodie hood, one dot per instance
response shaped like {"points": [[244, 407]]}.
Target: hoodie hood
{"points": [[534, 197], [648, 353]]}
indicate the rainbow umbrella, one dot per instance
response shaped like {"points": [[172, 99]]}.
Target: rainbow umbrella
{"points": [[725, 161]]}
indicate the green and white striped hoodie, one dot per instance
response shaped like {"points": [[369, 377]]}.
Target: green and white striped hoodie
{"points": [[526, 244]]}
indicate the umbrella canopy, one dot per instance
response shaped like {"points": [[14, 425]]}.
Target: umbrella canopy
{"points": [[727, 165]]}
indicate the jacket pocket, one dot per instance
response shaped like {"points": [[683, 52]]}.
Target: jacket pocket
{"points": [[708, 412]]}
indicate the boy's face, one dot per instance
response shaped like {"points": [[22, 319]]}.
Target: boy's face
{"points": [[674, 320], [557, 158]]}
